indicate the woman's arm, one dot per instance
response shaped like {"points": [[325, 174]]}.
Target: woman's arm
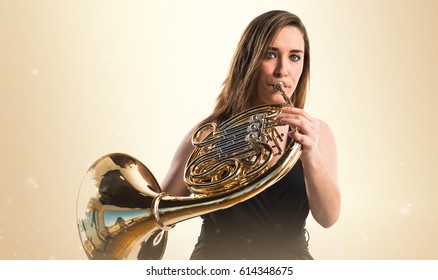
{"points": [[319, 159], [173, 182]]}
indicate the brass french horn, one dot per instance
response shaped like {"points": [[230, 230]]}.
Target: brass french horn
{"points": [[122, 212]]}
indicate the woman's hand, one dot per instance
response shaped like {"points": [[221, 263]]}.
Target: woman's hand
{"points": [[304, 129], [319, 159]]}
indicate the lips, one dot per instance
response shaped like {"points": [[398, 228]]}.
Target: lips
{"points": [[284, 83]]}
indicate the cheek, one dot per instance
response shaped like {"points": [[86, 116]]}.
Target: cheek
{"points": [[262, 76], [297, 71], [300, 68], [266, 69]]}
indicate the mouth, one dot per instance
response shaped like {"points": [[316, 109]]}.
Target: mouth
{"points": [[280, 87], [276, 85]]}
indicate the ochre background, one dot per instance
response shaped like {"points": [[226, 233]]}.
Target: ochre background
{"points": [[80, 79]]}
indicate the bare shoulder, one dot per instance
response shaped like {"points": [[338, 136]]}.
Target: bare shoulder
{"points": [[327, 142], [328, 149], [186, 146], [326, 133], [186, 143]]}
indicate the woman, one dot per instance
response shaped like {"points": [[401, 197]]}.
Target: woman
{"points": [[273, 48]]}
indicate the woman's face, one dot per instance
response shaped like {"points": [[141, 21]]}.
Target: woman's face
{"points": [[283, 62]]}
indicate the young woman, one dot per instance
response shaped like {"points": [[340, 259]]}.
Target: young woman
{"points": [[273, 48]]}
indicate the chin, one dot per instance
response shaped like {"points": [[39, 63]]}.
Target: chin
{"points": [[278, 99], [275, 98]]}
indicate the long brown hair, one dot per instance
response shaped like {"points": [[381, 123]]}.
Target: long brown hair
{"points": [[239, 86]]}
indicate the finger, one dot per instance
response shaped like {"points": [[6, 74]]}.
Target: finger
{"points": [[298, 137], [291, 110], [298, 111], [300, 123]]}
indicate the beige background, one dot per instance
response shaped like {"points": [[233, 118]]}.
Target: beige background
{"points": [[80, 79]]}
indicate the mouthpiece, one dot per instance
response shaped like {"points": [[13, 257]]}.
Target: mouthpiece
{"points": [[279, 86]]}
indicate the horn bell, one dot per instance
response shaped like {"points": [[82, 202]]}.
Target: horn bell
{"points": [[113, 210]]}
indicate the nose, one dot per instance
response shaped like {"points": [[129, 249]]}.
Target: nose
{"points": [[280, 69]]}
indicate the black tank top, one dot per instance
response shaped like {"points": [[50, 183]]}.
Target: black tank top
{"points": [[270, 225]]}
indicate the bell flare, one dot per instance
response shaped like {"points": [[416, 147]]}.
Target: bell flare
{"points": [[113, 209]]}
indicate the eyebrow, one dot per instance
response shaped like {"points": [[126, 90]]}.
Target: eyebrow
{"points": [[291, 51]]}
